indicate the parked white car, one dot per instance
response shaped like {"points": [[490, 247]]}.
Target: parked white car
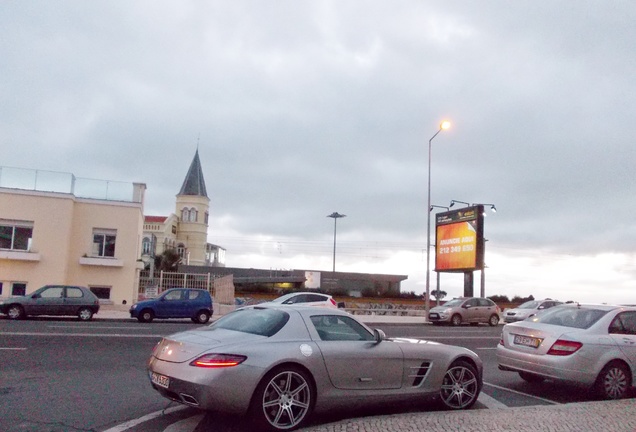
{"points": [[529, 309], [588, 345], [304, 299]]}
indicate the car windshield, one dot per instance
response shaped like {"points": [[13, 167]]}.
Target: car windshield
{"points": [[454, 303], [529, 305], [575, 317], [258, 321]]}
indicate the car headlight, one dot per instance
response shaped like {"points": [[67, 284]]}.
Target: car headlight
{"points": [[133, 306]]}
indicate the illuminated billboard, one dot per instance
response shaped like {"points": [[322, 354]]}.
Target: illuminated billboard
{"points": [[459, 240]]}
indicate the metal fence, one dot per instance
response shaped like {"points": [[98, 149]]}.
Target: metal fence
{"points": [[153, 285]]}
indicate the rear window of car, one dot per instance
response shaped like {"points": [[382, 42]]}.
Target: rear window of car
{"points": [[581, 318], [263, 322]]}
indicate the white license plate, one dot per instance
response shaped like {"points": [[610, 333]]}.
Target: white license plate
{"points": [[527, 341], [433, 315], [160, 380]]}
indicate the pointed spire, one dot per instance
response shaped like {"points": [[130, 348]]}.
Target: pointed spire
{"points": [[194, 183]]}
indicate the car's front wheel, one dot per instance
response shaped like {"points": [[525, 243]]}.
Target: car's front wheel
{"points": [[460, 387], [283, 400], [15, 312], [85, 314], [456, 320], [613, 381]]}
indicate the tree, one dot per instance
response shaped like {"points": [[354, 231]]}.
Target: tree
{"points": [[438, 294], [167, 261]]}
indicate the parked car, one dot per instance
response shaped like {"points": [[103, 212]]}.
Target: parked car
{"points": [[53, 300], [473, 310], [305, 299], [278, 364], [529, 309], [192, 303], [587, 345]]}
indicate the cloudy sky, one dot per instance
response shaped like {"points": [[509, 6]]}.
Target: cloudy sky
{"points": [[303, 108]]}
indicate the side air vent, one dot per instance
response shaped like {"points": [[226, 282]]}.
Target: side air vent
{"points": [[419, 373]]}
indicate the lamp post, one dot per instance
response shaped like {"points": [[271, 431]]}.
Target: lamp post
{"points": [[444, 125], [335, 216]]}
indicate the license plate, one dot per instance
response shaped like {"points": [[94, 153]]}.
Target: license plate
{"points": [[433, 315], [160, 380], [527, 341]]}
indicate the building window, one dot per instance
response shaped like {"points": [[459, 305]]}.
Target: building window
{"points": [[194, 215], [102, 293], [0, 288], [207, 217], [146, 246], [104, 242], [185, 215], [189, 215], [15, 235], [18, 289]]}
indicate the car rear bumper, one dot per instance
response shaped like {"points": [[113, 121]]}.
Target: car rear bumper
{"points": [[561, 368]]}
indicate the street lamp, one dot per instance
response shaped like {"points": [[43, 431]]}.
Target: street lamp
{"points": [[443, 126], [335, 216], [453, 202]]}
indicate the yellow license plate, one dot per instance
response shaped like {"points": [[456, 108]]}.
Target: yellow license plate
{"points": [[527, 341]]}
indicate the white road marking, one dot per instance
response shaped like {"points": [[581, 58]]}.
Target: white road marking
{"points": [[12, 349], [490, 402], [187, 425], [132, 423], [523, 394], [101, 335], [99, 327]]}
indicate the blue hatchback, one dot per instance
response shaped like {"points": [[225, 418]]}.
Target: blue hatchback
{"points": [[195, 304]]}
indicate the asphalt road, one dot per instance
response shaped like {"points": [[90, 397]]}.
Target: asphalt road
{"points": [[64, 375]]}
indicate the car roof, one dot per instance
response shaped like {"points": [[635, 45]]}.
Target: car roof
{"points": [[601, 306]]}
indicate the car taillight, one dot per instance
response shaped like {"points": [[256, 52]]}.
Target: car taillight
{"points": [[333, 302], [501, 342], [564, 348], [218, 360]]}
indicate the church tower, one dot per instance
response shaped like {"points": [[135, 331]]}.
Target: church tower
{"points": [[192, 208]]}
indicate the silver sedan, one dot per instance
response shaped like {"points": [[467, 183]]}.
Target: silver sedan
{"points": [[279, 364], [588, 345]]}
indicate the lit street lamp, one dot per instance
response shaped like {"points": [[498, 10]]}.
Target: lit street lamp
{"points": [[335, 216], [444, 125]]}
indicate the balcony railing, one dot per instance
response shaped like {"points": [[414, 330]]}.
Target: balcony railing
{"points": [[60, 182]]}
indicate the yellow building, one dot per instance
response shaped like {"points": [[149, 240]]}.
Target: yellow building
{"points": [[56, 228]]}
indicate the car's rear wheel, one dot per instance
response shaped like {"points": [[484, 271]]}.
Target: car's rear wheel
{"points": [[456, 319], [613, 381], [85, 314], [283, 400], [15, 312], [145, 315], [531, 378], [202, 317], [494, 320], [460, 387]]}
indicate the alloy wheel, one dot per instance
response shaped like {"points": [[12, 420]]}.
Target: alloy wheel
{"points": [[460, 387], [286, 400]]}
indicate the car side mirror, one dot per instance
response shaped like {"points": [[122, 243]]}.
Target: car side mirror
{"points": [[379, 335]]}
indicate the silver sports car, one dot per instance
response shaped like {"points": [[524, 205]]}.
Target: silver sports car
{"points": [[279, 364]]}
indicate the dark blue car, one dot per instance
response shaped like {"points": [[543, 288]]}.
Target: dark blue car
{"points": [[195, 304]]}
